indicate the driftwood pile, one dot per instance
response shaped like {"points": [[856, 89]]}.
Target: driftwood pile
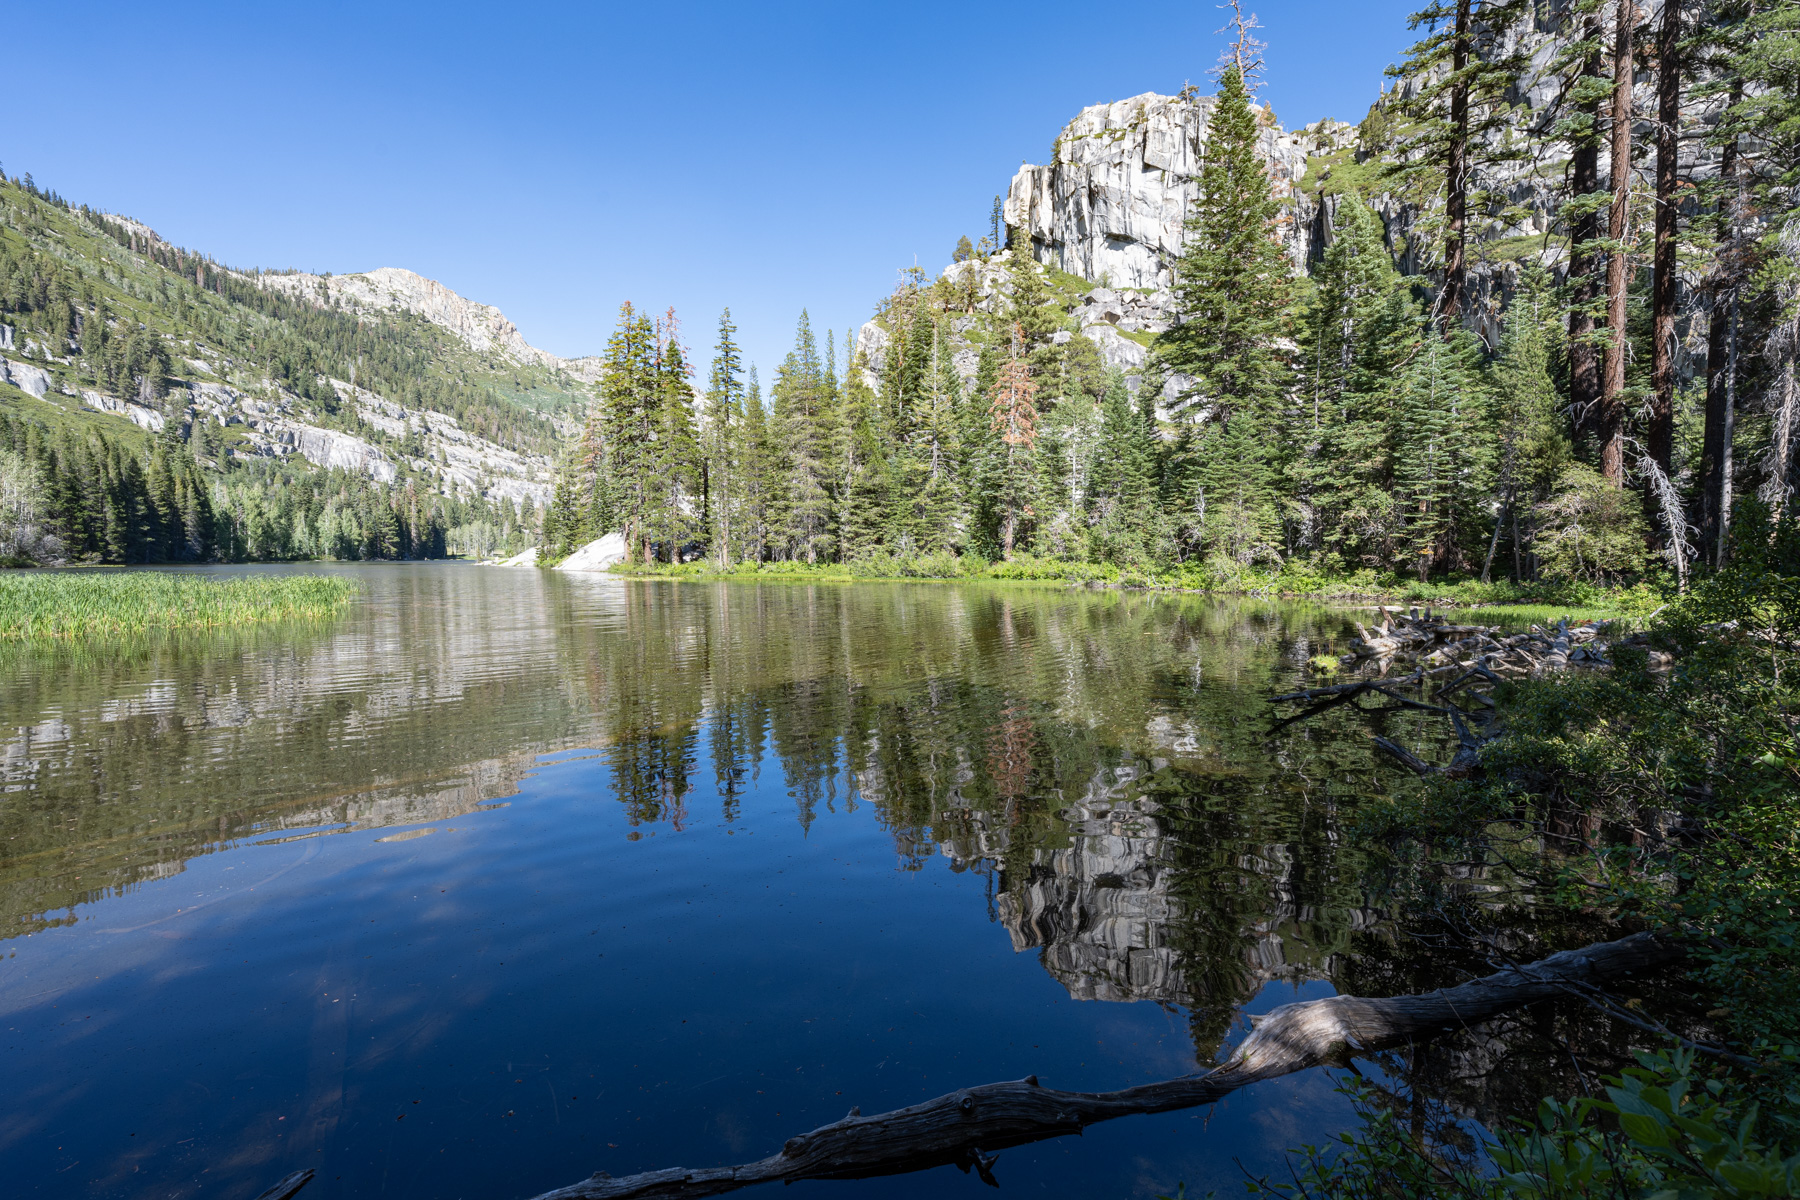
{"points": [[1458, 655], [1432, 641]]}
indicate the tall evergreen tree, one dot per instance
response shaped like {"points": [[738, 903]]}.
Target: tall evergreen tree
{"points": [[1534, 446], [1356, 331], [803, 424], [675, 456], [1442, 456], [758, 483], [720, 437], [1457, 103], [1015, 422], [1231, 285]]}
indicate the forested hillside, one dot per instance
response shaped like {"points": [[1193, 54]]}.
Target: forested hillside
{"points": [[1535, 317], [158, 406]]}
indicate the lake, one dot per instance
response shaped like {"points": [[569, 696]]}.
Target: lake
{"points": [[508, 876]]}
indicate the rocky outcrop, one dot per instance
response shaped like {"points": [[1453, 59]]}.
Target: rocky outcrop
{"points": [[33, 381], [597, 555], [144, 418], [1111, 207], [525, 558], [482, 327]]}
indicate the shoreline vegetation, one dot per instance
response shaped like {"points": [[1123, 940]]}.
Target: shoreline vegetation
{"points": [[83, 604], [1541, 600]]}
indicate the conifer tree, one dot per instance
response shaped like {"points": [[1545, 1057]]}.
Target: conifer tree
{"points": [[758, 486], [803, 420], [618, 448], [1121, 497], [675, 457], [1458, 101], [724, 419], [1357, 330], [940, 504], [1231, 285], [1441, 454], [1015, 422], [1534, 446]]}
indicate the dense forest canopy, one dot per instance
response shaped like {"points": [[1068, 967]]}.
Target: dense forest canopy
{"points": [[99, 315], [1582, 403]]}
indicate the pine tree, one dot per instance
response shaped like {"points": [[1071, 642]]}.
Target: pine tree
{"points": [[1015, 421], [1357, 330], [941, 518], [1121, 493], [619, 446], [724, 418], [1442, 460], [1533, 444], [758, 485], [863, 491], [1457, 104], [675, 456], [1231, 285], [803, 424]]}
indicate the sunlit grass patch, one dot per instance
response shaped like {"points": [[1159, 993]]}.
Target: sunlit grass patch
{"points": [[78, 604], [1521, 615]]}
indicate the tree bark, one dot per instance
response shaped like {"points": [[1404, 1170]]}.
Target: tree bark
{"points": [[289, 1186], [1456, 179], [966, 1127], [1584, 231], [1730, 427], [1612, 392], [1660, 436], [1713, 475]]}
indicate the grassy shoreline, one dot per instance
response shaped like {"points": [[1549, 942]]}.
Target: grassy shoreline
{"points": [[78, 604], [1503, 599]]}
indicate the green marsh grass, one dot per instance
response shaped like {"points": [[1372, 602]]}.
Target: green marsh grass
{"points": [[80, 604]]}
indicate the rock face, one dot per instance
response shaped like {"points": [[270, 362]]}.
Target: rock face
{"points": [[34, 381], [525, 558], [482, 327], [1110, 208], [597, 555]]}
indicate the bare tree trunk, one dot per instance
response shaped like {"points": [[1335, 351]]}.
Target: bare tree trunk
{"points": [[966, 1127], [1612, 393], [1487, 567], [1518, 569], [1714, 441], [1660, 437], [1584, 230], [1730, 427], [1456, 180]]}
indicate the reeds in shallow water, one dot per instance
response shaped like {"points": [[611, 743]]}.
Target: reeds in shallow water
{"points": [[76, 604]]}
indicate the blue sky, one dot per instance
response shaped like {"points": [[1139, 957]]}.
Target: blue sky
{"points": [[557, 159]]}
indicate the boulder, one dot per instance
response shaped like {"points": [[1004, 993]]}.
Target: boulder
{"points": [[525, 558], [597, 555], [34, 381]]}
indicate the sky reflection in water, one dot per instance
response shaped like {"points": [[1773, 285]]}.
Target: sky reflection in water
{"points": [[508, 877]]}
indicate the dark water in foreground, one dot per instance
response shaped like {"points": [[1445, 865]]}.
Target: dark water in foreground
{"points": [[507, 876]]}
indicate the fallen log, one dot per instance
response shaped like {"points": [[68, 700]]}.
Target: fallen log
{"points": [[965, 1128], [286, 1189], [1558, 658]]}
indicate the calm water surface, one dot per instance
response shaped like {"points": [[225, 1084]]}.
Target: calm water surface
{"points": [[506, 877]]}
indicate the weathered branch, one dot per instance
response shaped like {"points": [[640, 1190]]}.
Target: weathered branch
{"points": [[288, 1186], [966, 1127]]}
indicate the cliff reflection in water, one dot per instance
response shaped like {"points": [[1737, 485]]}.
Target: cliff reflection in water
{"points": [[1102, 756], [1130, 910]]}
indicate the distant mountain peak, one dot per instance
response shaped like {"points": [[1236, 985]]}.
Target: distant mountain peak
{"points": [[482, 327]]}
